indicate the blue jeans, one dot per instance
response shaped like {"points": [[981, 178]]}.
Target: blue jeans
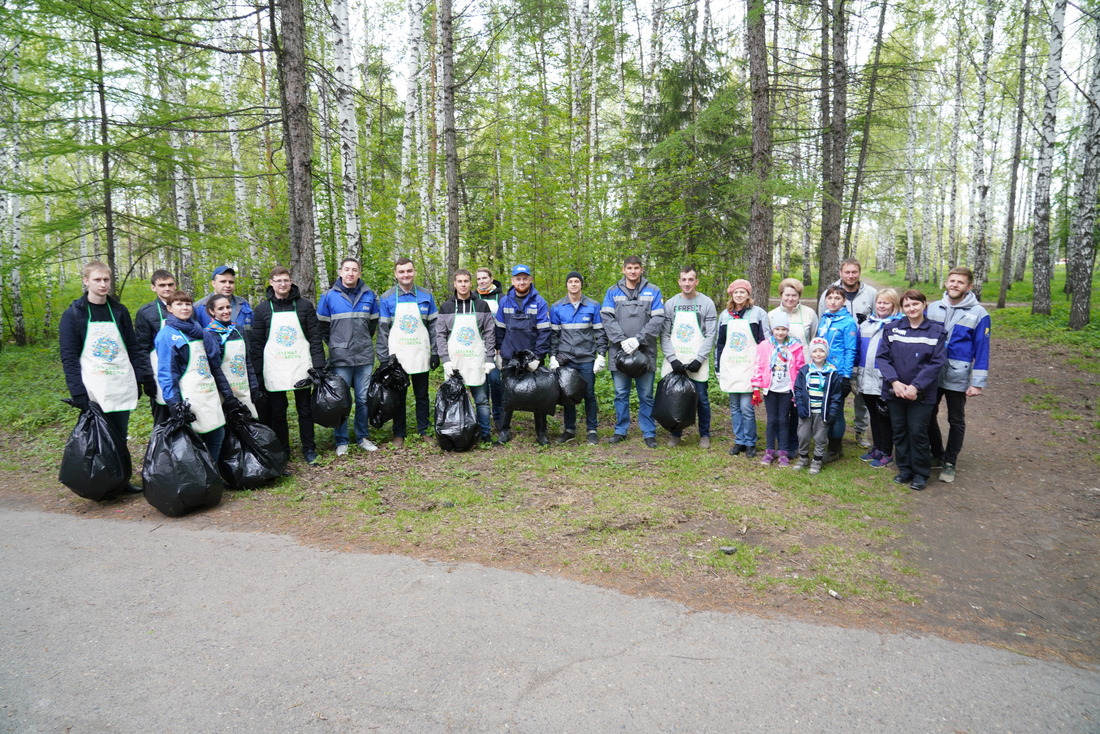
{"points": [[743, 416], [644, 385], [569, 412], [495, 394], [480, 395], [702, 405], [357, 378], [213, 442]]}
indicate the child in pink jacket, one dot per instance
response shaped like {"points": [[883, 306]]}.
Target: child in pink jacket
{"points": [[778, 360]]}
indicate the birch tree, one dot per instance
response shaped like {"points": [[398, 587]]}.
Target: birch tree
{"points": [[1081, 251], [347, 127]]}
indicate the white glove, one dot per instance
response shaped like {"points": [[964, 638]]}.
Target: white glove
{"points": [[554, 363], [532, 365], [599, 364], [448, 367], [629, 345], [498, 362], [490, 366]]}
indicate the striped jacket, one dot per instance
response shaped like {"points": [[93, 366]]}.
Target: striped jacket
{"points": [[348, 319], [639, 313], [576, 330]]}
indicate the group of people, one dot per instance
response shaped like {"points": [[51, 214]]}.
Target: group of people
{"points": [[900, 356]]}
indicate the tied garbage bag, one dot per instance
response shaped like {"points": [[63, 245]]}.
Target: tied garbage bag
{"points": [[331, 397], [385, 392], [674, 405], [572, 386], [634, 364], [523, 390], [96, 462], [178, 473], [456, 426], [251, 453]]}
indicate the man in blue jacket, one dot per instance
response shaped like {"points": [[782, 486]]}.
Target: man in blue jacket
{"points": [[577, 340], [967, 368], [224, 283], [523, 323]]}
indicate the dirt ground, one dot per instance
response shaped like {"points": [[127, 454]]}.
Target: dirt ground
{"points": [[1007, 554]]}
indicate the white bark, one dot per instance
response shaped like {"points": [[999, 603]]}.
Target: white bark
{"points": [[229, 68], [346, 125], [979, 255], [1040, 241], [1081, 249], [412, 116]]}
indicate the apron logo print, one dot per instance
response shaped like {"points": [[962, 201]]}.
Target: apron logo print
{"points": [[285, 336], [684, 332], [236, 366], [408, 324], [465, 336], [202, 366], [739, 342], [106, 348]]}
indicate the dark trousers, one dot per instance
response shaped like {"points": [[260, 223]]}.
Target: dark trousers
{"points": [[792, 433], [419, 383], [837, 429], [120, 423], [882, 433], [569, 412], [909, 420], [160, 412], [956, 422], [274, 417], [777, 434], [540, 423], [495, 395]]}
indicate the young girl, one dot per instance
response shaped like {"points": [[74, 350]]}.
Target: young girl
{"points": [[187, 371], [867, 381], [741, 326], [818, 397], [839, 328], [231, 350], [778, 361]]}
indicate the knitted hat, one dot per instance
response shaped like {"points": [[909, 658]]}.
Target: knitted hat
{"points": [[779, 319], [574, 274], [818, 343], [739, 283]]}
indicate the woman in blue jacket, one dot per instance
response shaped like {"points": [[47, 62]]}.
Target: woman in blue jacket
{"points": [[231, 350], [839, 328]]}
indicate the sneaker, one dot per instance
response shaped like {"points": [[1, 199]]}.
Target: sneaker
{"points": [[673, 442], [542, 440], [593, 438], [342, 450], [750, 452], [650, 442], [366, 445], [617, 438], [918, 483], [863, 441], [947, 473], [815, 465], [704, 442], [768, 458], [882, 460], [566, 437], [736, 449], [783, 460], [504, 437], [310, 457], [870, 455], [802, 462], [903, 478], [399, 442]]}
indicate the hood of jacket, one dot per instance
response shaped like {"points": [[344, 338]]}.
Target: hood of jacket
{"points": [[294, 293], [968, 301]]}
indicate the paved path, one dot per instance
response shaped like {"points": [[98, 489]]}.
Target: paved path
{"points": [[135, 627]]}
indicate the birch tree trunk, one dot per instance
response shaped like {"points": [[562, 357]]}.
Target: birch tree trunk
{"points": [[956, 131], [348, 127], [980, 259], [834, 114], [910, 190], [1040, 235], [12, 202], [450, 144], [105, 159], [229, 70], [412, 115], [1017, 142], [1081, 250]]}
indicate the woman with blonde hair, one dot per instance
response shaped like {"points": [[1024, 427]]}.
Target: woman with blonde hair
{"points": [[803, 319], [741, 326], [867, 380]]}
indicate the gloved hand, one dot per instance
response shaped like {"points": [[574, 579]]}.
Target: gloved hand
{"points": [[81, 401], [490, 366], [695, 365], [498, 362], [392, 360], [150, 388], [433, 362], [554, 363], [258, 396], [448, 367], [845, 386], [233, 403], [599, 364], [677, 366], [532, 365], [630, 345], [757, 398]]}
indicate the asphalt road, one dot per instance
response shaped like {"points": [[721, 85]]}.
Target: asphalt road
{"points": [[110, 626]]}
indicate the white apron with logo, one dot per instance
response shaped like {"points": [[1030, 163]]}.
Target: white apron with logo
{"points": [[105, 367], [687, 337], [198, 388], [235, 369], [467, 349], [798, 327], [738, 357], [409, 340], [153, 361], [286, 354]]}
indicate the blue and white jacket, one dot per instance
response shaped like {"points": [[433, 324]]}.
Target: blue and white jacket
{"points": [[866, 379], [173, 344], [967, 326], [842, 332], [913, 355], [387, 307], [349, 317], [576, 330], [639, 314], [523, 323]]}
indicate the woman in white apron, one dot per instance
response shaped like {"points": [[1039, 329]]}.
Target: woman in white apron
{"points": [[99, 353], [187, 372], [232, 350], [741, 326]]}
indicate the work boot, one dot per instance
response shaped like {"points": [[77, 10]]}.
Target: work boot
{"points": [[541, 439], [750, 451], [540, 430], [736, 449], [835, 450]]}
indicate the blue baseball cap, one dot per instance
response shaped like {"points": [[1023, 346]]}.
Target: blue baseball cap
{"points": [[221, 270], [521, 270]]}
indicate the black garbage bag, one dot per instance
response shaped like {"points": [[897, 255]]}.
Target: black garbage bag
{"points": [[96, 462], [634, 364], [571, 385], [178, 473], [385, 390], [675, 403], [456, 426], [251, 452], [523, 390], [330, 400]]}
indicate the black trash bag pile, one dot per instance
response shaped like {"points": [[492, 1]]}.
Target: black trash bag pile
{"points": [[532, 391], [675, 403], [178, 474], [96, 462], [385, 390], [634, 364], [572, 386], [456, 426], [330, 399], [251, 453]]}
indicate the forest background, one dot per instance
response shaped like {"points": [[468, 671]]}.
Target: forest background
{"points": [[759, 139]]}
